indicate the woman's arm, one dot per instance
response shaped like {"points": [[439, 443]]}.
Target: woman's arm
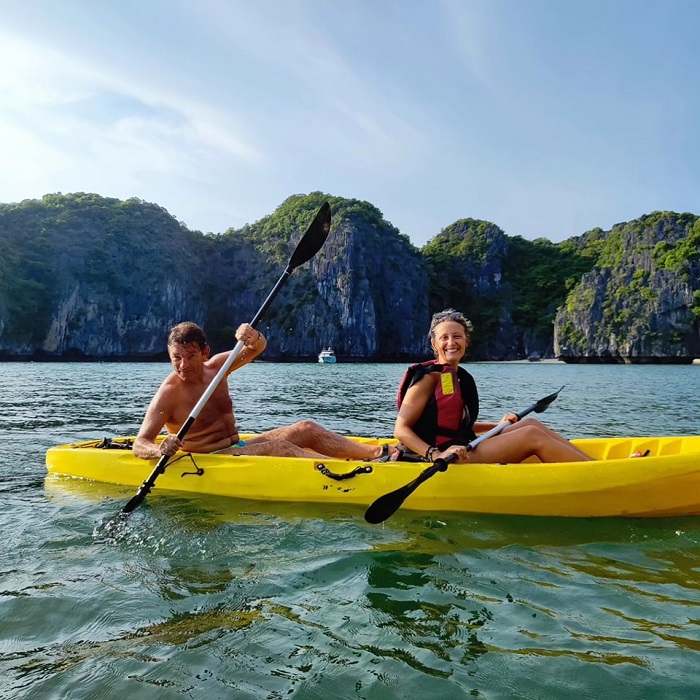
{"points": [[414, 403], [481, 427]]}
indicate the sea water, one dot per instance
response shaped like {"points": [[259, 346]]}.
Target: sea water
{"points": [[203, 597]]}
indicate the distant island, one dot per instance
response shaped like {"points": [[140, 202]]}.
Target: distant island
{"points": [[88, 277]]}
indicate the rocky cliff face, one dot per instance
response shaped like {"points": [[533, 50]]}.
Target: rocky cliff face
{"points": [[372, 289], [113, 289], [87, 276], [101, 278], [640, 303]]}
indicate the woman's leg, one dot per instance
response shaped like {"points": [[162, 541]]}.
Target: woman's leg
{"points": [[515, 445], [530, 421]]}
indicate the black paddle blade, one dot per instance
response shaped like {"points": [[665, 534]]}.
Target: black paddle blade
{"points": [[140, 496], [543, 404], [134, 502], [385, 506], [112, 527], [314, 237]]}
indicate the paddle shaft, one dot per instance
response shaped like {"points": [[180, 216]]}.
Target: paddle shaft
{"points": [[537, 407], [308, 247], [439, 465]]}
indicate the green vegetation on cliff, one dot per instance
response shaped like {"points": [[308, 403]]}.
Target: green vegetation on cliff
{"points": [[540, 274], [87, 275], [508, 286], [464, 270]]}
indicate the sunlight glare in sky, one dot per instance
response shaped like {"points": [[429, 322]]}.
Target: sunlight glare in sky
{"points": [[546, 118]]}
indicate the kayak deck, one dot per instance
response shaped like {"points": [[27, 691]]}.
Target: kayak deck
{"points": [[665, 483]]}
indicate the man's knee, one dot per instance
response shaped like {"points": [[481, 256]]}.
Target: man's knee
{"points": [[306, 426]]}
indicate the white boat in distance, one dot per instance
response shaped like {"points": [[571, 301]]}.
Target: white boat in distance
{"points": [[326, 356]]}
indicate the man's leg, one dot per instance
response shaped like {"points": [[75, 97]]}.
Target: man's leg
{"points": [[271, 448], [312, 436]]}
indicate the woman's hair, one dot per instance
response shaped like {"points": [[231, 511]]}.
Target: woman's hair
{"points": [[185, 333], [450, 315]]}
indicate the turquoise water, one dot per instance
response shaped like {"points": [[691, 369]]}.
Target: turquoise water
{"points": [[204, 597]]}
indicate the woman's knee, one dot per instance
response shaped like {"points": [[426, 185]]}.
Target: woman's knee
{"points": [[530, 423], [533, 434]]}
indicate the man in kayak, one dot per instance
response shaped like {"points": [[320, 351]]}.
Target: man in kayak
{"points": [[214, 429], [439, 406]]}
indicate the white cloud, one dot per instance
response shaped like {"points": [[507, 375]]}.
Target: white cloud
{"points": [[143, 127], [467, 29]]}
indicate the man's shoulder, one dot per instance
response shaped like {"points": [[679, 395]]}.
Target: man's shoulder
{"points": [[170, 386]]}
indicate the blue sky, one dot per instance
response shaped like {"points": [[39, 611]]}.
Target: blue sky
{"points": [[546, 117]]}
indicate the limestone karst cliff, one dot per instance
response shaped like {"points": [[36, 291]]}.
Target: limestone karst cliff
{"points": [[84, 276], [87, 276], [641, 302]]}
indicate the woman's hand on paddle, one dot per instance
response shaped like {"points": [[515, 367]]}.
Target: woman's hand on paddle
{"points": [[460, 452], [509, 418]]}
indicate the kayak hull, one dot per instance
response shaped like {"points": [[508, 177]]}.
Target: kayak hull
{"points": [[665, 483]]}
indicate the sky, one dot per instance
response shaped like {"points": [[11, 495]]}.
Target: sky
{"points": [[545, 117]]}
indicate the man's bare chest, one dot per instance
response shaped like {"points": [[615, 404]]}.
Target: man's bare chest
{"points": [[218, 404]]}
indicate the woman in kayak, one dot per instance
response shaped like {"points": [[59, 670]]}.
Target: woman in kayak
{"points": [[439, 406]]}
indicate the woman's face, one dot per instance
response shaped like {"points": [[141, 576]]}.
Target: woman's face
{"points": [[450, 342]]}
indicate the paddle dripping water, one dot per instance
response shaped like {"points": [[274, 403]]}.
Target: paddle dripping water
{"points": [[204, 597]]}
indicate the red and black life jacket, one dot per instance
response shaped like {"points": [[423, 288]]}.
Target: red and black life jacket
{"points": [[452, 409]]}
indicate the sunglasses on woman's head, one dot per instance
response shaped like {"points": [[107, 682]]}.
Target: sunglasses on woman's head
{"points": [[449, 316]]}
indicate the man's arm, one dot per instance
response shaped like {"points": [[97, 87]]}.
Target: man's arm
{"points": [[145, 445], [254, 342]]}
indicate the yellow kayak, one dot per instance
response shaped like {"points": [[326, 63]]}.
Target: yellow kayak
{"points": [[664, 483]]}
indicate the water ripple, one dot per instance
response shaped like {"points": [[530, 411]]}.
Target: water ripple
{"points": [[204, 597]]}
